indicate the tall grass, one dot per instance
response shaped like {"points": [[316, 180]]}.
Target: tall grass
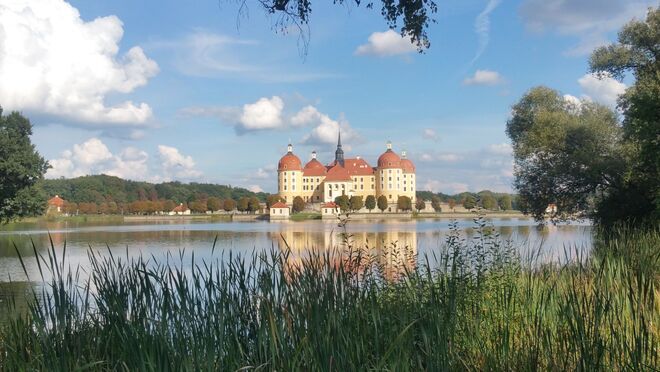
{"points": [[473, 305]]}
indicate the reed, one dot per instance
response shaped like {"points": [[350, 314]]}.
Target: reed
{"points": [[473, 305]]}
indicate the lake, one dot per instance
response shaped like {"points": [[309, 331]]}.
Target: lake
{"points": [[160, 238]]}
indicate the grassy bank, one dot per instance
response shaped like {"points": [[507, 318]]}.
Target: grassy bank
{"points": [[303, 216], [475, 305]]}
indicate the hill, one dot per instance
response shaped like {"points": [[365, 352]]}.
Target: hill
{"points": [[102, 188]]}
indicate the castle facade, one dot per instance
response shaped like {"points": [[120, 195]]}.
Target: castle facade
{"points": [[314, 182]]}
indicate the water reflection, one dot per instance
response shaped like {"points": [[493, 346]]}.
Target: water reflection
{"points": [[160, 238]]}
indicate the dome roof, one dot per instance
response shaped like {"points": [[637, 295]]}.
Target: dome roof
{"points": [[289, 162], [389, 159], [314, 168], [407, 166]]}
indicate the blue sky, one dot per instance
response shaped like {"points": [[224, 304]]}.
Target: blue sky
{"points": [[165, 90]]}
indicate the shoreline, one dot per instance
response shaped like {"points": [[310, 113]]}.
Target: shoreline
{"points": [[304, 216]]}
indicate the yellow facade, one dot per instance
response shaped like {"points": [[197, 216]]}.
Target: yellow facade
{"points": [[391, 180]]}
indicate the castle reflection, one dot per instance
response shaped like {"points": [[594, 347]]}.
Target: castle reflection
{"points": [[392, 252]]}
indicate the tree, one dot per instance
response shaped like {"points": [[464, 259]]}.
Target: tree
{"points": [[419, 205], [565, 153], [488, 201], [404, 203], [229, 205], [243, 204], [355, 203], [469, 202], [21, 167], [436, 203], [70, 208], [452, 203], [88, 208], [343, 202], [213, 204], [638, 194], [168, 205], [370, 202], [382, 203], [505, 203], [298, 204], [272, 199], [198, 206], [411, 17], [253, 204]]}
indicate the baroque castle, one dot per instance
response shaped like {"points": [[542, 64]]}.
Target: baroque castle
{"points": [[394, 176]]}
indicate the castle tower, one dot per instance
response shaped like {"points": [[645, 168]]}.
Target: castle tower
{"points": [[289, 176], [339, 153]]}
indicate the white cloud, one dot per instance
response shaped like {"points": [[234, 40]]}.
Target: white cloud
{"points": [[326, 129], [484, 77], [94, 157], [255, 188], [266, 113], [482, 28], [176, 165], [53, 62], [430, 134], [588, 20], [442, 158], [500, 149], [605, 90], [386, 44], [263, 114]]}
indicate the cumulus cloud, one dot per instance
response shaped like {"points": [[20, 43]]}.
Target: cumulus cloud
{"points": [[325, 129], [484, 77], [588, 20], [386, 44], [176, 165], [266, 113], [605, 90], [94, 157], [255, 188], [482, 28], [53, 62], [442, 157]]}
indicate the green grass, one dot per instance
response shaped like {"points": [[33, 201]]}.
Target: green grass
{"points": [[474, 305], [303, 216]]}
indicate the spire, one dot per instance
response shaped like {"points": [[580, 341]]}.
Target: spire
{"points": [[339, 153], [389, 145], [403, 154]]}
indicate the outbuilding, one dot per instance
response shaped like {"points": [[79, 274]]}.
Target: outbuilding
{"points": [[279, 210]]}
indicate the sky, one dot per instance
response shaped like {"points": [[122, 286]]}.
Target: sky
{"points": [[205, 91]]}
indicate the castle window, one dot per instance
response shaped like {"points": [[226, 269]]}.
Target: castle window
{"points": [[389, 186], [390, 196], [361, 187], [284, 187], [293, 187], [390, 171], [361, 179], [372, 186], [404, 188]]}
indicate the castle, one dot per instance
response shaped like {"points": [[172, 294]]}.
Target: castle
{"points": [[317, 183]]}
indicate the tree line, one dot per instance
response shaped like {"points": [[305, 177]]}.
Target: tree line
{"points": [[148, 207]]}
